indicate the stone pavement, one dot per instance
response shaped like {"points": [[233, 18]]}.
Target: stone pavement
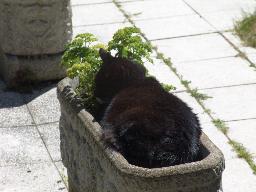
{"points": [[197, 36]]}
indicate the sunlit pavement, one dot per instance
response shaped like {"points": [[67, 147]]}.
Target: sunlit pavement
{"points": [[197, 36]]}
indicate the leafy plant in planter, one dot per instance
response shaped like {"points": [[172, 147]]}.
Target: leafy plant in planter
{"points": [[128, 43], [82, 59]]}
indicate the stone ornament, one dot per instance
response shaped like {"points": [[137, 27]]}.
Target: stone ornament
{"points": [[32, 27], [33, 35], [92, 167]]}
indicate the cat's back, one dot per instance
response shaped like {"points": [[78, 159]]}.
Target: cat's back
{"points": [[147, 98]]}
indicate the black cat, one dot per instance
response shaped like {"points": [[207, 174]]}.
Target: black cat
{"points": [[147, 125]]}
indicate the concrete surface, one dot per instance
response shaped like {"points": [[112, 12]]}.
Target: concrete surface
{"points": [[196, 39]]}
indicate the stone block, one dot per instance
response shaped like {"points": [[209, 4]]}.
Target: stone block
{"points": [[220, 72], [33, 36], [44, 106], [32, 27], [17, 69], [37, 177], [51, 137], [93, 167], [93, 14], [13, 110], [238, 177], [21, 145], [184, 25], [195, 48], [140, 10], [232, 103]]}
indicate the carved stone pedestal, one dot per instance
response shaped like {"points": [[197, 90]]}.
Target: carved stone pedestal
{"points": [[32, 38]]}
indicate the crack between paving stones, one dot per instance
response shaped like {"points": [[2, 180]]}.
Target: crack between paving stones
{"points": [[30, 125], [187, 86], [207, 59], [227, 86], [160, 17], [52, 161], [98, 24], [22, 164], [245, 119], [183, 36], [241, 54]]}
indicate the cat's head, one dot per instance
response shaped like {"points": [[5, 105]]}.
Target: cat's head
{"points": [[115, 74]]}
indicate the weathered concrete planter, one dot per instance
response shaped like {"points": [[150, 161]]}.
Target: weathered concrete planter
{"points": [[33, 35], [94, 168]]}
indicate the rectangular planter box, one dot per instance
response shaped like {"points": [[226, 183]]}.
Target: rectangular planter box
{"points": [[92, 167]]}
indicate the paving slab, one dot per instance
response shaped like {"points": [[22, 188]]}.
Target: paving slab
{"points": [[223, 20], [41, 177], [156, 9], [83, 2], [233, 38], [232, 103], [238, 177], [194, 48], [94, 14], [207, 6], [252, 58], [217, 72], [219, 139], [163, 74], [174, 27], [104, 33], [44, 105], [244, 132], [13, 110], [51, 135], [21, 145]]}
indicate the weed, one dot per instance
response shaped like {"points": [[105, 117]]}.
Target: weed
{"points": [[221, 125], [201, 96], [246, 29], [243, 153]]}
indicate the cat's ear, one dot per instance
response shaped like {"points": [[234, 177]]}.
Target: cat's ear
{"points": [[104, 55]]}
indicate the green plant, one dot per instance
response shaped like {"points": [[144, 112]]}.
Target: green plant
{"points": [[128, 43], [82, 60], [246, 29], [221, 125], [167, 87], [201, 96]]}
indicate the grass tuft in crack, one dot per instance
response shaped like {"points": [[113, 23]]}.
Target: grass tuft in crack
{"points": [[221, 125], [243, 153], [246, 29], [201, 96]]}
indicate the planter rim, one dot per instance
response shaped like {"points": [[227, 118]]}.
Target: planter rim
{"points": [[213, 159]]}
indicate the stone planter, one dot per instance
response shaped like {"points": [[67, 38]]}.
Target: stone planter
{"points": [[33, 36], [94, 168]]}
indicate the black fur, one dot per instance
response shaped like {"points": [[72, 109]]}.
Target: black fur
{"points": [[147, 125]]}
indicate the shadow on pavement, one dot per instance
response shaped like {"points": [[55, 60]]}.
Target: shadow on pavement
{"points": [[17, 97]]}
